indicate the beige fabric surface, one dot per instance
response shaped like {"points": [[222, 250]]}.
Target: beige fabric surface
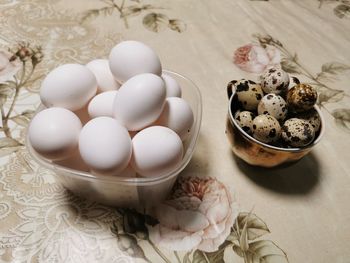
{"points": [[305, 206]]}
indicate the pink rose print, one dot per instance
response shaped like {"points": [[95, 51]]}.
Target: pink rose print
{"points": [[8, 68], [198, 215], [254, 58]]}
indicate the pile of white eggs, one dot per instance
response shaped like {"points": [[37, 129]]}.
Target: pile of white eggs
{"points": [[119, 116]]}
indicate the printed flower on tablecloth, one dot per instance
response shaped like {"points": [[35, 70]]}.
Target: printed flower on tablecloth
{"points": [[72, 230], [255, 58], [198, 215], [8, 67]]}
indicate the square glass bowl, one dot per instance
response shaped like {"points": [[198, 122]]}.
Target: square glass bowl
{"points": [[139, 192]]}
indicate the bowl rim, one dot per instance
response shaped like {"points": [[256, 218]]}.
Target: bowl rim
{"points": [[136, 181], [294, 149]]}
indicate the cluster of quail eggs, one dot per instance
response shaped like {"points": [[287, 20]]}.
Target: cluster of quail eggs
{"points": [[277, 111]]}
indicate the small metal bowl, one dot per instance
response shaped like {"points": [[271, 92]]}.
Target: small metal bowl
{"points": [[258, 153]]}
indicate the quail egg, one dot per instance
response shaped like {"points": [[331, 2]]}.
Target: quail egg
{"points": [[248, 93], [274, 105], [275, 80], [312, 117], [245, 120], [301, 97], [266, 128], [293, 81], [297, 132]]}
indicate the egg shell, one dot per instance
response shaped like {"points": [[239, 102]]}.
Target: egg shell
{"points": [[130, 58], [273, 105], [248, 93], [274, 80], [69, 86], [245, 120], [54, 133], [301, 97], [157, 150], [139, 101], [293, 81], [297, 132], [105, 79], [173, 88], [178, 116], [105, 145], [312, 117], [266, 128], [102, 104]]}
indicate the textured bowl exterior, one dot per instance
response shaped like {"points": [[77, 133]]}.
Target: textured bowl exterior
{"points": [[256, 154]]}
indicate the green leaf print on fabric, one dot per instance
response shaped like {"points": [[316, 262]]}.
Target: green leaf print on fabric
{"points": [[250, 227], [154, 22], [342, 118], [341, 10], [265, 251], [19, 65]]}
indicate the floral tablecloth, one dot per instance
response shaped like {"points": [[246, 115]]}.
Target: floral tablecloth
{"points": [[221, 210]]}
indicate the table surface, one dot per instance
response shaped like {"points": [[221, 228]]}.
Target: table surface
{"points": [[295, 214]]}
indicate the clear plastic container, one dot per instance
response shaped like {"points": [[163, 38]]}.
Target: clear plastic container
{"points": [[140, 193]]}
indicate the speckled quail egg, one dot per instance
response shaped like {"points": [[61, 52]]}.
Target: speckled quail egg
{"points": [[297, 132], [245, 120], [293, 81], [301, 97], [274, 105], [312, 117], [266, 128], [248, 93], [274, 80]]}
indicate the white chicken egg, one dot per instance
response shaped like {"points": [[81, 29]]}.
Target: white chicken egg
{"points": [[68, 86], [54, 133], [178, 116], [102, 104], [105, 145], [103, 74], [156, 150], [139, 101], [130, 58], [173, 88]]}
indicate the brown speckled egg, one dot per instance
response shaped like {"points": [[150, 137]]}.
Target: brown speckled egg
{"points": [[312, 117], [293, 81], [245, 120], [274, 80], [297, 132], [301, 97], [266, 128], [274, 105], [248, 93]]}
